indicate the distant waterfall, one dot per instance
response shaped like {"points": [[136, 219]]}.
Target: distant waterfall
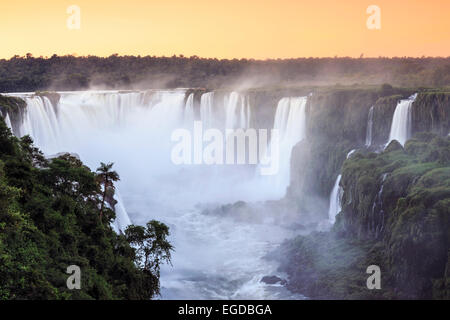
{"points": [[335, 201], [349, 154], [97, 124], [237, 111], [401, 122], [122, 219], [369, 128], [290, 121], [133, 130], [206, 110], [189, 115], [40, 122], [377, 209], [232, 112], [52, 126]]}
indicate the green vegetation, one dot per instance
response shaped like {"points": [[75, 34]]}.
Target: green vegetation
{"points": [[128, 72], [11, 104], [395, 214], [52, 215]]}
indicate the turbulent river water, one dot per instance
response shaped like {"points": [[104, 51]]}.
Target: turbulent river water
{"points": [[217, 256]]}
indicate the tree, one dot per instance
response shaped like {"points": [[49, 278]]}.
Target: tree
{"points": [[106, 178], [151, 247]]}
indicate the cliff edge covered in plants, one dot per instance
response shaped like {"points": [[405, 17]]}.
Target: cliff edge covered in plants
{"points": [[395, 214], [49, 220]]}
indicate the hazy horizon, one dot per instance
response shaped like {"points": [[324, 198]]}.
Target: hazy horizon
{"points": [[227, 29]]}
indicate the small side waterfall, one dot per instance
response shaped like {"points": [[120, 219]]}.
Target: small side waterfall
{"points": [[189, 115], [7, 119], [377, 210], [122, 218], [369, 128], [206, 110], [237, 111], [349, 154], [335, 200], [401, 122]]}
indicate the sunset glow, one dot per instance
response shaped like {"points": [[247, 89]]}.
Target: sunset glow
{"points": [[226, 29]]}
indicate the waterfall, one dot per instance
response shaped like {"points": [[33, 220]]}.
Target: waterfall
{"points": [[335, 200], [232, 112], [378, 203], [189, 115], [40, 122], [206, 110], [290, 121], [369, 128], [401, 121], [7, 119], [237, 111], [133, 130], [96, 124], [349, 154], [122, 219]]}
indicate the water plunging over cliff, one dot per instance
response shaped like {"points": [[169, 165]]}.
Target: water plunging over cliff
{"points": [[189, 114], [230, 113], [335, 200], [7, 119], [369, 127], [216, 256], [290, 121], [401, 121]]}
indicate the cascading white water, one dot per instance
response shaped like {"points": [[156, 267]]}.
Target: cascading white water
{"points": [[216, 256], [335, 200], [206, 110], [122, 219], [237, 111], [369, 127], [234, 111], [189, 114], [290, 121], [349, 154], [7, 119], [8, 122], [401, 121]]}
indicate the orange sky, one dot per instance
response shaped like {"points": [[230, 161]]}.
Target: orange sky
{"points": [[227, 28]]}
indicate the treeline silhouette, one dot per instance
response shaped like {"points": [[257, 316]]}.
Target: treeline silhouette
{"points": [[68, 72]]}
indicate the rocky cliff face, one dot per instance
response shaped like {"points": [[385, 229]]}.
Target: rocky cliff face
{"points": [[395, 203], [337, 123], [431, 113]]}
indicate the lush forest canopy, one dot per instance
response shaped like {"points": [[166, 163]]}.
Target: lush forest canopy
{"points": [[135, 72], [53, 215]]}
